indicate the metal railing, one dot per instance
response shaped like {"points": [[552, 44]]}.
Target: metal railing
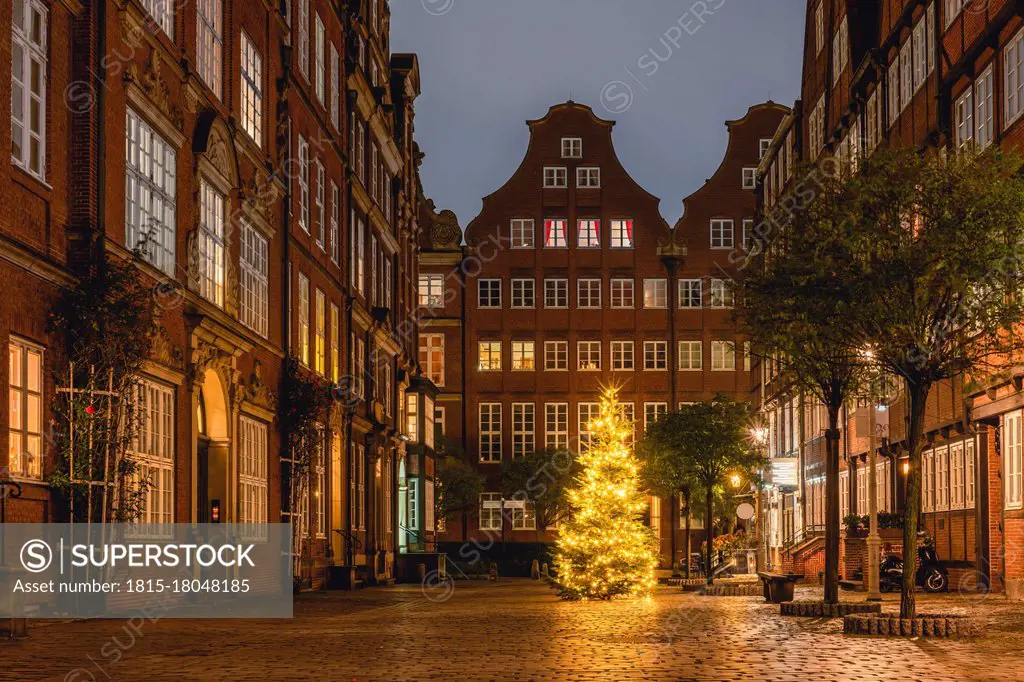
{"points": [[352, 543], [802, 535]]}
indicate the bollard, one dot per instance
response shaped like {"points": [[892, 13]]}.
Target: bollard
{"points": [[535, 570]]}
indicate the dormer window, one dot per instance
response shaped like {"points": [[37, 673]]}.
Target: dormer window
{"points": [[572, 148], [555, 176]]}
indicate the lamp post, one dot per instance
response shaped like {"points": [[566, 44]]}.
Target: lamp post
{"points": [[759, 434], [876, 402]]}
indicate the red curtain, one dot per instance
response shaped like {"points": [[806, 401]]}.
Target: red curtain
{"points": [[629, 231]]}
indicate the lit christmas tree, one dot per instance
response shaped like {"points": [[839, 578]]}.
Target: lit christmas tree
{"points": [[604, 549]]}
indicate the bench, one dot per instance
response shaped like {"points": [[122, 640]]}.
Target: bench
{"points": [[778, 587]]}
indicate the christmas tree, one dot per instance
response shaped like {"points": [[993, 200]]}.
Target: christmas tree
{"points": [[604, 549]]}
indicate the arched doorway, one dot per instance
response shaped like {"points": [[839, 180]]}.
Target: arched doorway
{"points": [[213, 448]]}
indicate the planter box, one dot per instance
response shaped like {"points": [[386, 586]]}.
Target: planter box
{"points": [[744, 590], [818, 609], [936, 626]]}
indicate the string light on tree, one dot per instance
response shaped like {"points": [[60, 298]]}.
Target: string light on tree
{"points": [[605, 550]]}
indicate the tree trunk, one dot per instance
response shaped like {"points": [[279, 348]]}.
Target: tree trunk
{"points": [[918, 396], [673, 523], [686, 541], [709, 525], [465, 524], [832, 506]]}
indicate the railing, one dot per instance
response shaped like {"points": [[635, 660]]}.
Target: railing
{"points": [[428, 545], [352, 543], [802, 535]]}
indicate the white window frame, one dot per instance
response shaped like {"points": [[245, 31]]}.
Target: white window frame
{"points": [[488, 356], [253, 455], [691, 355], [585, 293], [210, 44], [432, 357], [430, 292], [623, 356], [303, 184], [1012, 460], [524, 356], [33, 48], [588, 356], [524, 293], [653, 411], [556, 356], [572, 148], [655, 293], [722, 295], [488, 292], [840, 50], [335, 93], [320, 58], [211, 236], [749, 178], [154, 453], [251, 84], [26, 382], [254, 283], [524, 429], [622, 234], [621, 292], [555, 233], [585, 413], [588, 233], [556, 426], [723, 233], [655, 356], [523, 233], [723, 356], [984, 131], [150, 193], [556, 177], [691, 293], [489, 441], [490, 514], [556, 292], [588, 177], [302, 47], [303, 320]]}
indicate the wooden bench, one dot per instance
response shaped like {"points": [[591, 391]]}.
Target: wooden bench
{"points": [[778, 587]]}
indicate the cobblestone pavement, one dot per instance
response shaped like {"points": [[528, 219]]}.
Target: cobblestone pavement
{"points": [[515, 630]]}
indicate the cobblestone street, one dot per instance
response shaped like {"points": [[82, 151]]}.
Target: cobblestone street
{"points": [[514, 630]]}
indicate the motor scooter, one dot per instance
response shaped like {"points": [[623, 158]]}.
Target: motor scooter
{"points": [[930, 574]]}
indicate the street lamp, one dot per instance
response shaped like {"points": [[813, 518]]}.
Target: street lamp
{"points": [[759, 434], [877, 397]]}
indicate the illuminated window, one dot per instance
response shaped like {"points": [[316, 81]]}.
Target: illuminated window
{"points": [[304, 319], [489, 353], [150, 193], [252, 91], [655, 293], [588, 355], [431, 290], [621, 232], [490, 511], [585, 414], [154, 454], [554, 233], [25, 405], [211, 244], [320, 346], [523, 356], [722, 294], [252, 476], [588, 235], [210, 42], [432, 357], [723, 356], [690, 355]]}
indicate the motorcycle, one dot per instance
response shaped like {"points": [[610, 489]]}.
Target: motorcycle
{"points": [[930, 575]]}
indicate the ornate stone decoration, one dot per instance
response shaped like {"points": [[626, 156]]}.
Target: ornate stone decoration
{"points": [[161, 349], [150, 80], [445, 232], [257, 392], [207, 356]]}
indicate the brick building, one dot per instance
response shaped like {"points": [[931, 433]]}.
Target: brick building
{"points": [[262, 155], [937, 73], [571, 280]]}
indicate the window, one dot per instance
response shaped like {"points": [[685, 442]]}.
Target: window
{"points": [[969, 478], [555, 176], [357, 491], [1012, 458], [252, 91], [723, 356], [862, 490], [523, 356], [522, 233], [554, 233], [211, 244], [844, 494], [412, 417], [873, 123], [749, 178], [588, 293], [655, 293], [819, 28], [920, 56], [722, 294], [489, 353], [488, 293], [893, 91], [304, 319], [303, 45], [150, 193], [953, 8], [523, 424], [653, 412], [431, 290], [303, 184], [622, 293], [588, 355], [25, 406], [956, 476], [524, 293], [320, 59], [252, 475], [690, 356], [335, 342], [928, 481], [763, 145], [690, 293], [621, 234], [524, 514], [358, 252], [941, 479], [572, 148], [588, 233], [655, 355], [359, 366], [963, 113], [162, 12], [816, 128], [335, 220], [335, 89], [840, 50], [722, 233], [320, 345], [556, 355], [432, 357], [906, 74], [490, 432], [321, 206], [588, 177], [984, 133], [253, 282], [622, 355], [318, 482], [490, 511], [556, 426], [210, 42], [556, 293], [586, 413], [154, 452], [748, 233]]}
